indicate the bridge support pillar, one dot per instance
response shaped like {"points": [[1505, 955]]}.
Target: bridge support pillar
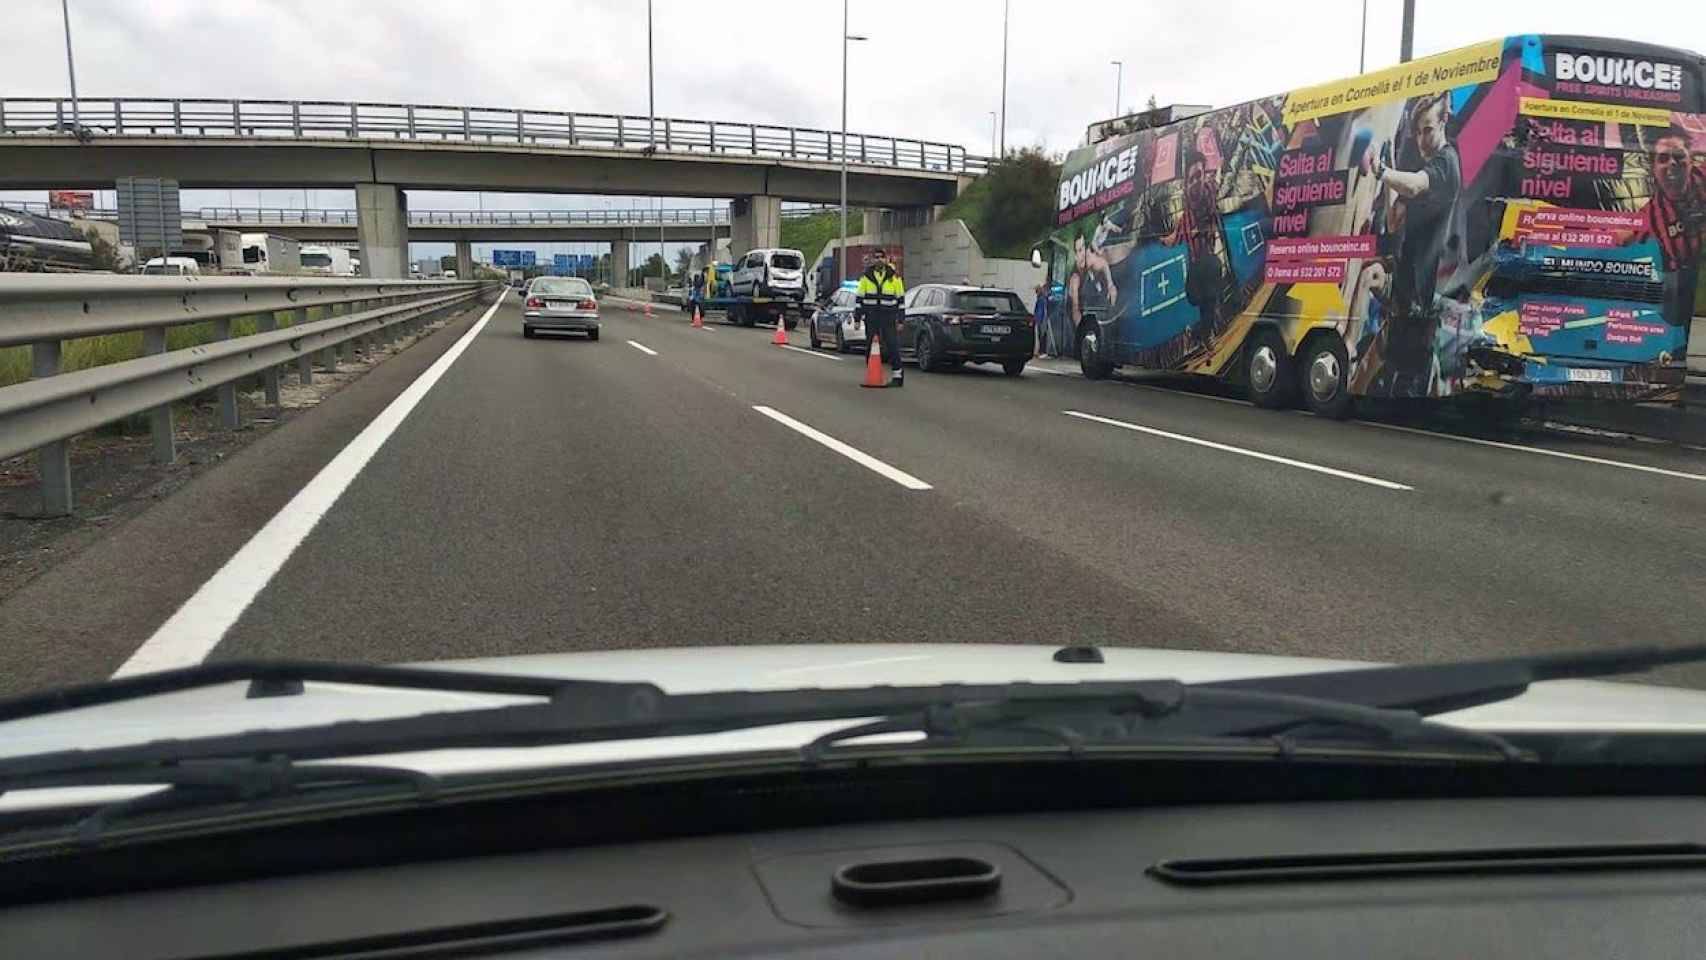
{"points": [[382, 224], [618, 263], [464, 258], [755, 222]]}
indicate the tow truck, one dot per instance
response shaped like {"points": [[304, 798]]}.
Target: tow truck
{"points": [[748, 311]]}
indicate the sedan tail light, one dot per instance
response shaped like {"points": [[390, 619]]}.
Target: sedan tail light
{"points": [[587, 305], [535, 303]]}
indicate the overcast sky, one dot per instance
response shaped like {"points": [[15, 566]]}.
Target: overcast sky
{"points": [[931, 68]]}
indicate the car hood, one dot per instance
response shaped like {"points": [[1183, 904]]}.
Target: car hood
{"points": [[1552, 706]]}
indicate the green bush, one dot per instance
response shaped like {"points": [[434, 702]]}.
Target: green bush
{"points": [[1010, 207]]}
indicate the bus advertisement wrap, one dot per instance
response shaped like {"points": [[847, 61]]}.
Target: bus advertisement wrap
{"points": [[1472, 205]]}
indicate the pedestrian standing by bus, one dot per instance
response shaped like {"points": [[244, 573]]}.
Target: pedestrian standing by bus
{"points": [[879, 297]]}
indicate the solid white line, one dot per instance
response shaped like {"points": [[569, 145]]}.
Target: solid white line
{"points": [[860, 457], [1301, 465], [190, 634], [648, 351], [1540, 450], [1052, 373], [811, 353]]}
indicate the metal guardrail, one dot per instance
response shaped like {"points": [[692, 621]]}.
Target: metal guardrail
{"points": [[287, 216], [44, 310], [322, 119]]}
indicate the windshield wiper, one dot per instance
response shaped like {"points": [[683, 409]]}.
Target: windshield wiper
{"points": [[201, 782], [1078, 721], [1390, 700], [1435, 688], [272, 678]]}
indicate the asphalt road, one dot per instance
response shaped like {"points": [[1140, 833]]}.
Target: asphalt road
{"points": [[559, 494]]}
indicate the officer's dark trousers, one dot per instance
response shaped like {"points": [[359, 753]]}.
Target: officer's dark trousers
{"points": [[881, 324]]}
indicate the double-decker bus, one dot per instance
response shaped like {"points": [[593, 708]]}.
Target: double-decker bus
{"points": [[1523, 217]]}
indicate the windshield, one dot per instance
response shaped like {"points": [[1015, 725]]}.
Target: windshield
{"points": [[562, 287], [1276, 358], [985, 301]]}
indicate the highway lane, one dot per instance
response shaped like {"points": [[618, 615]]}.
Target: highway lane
{"points": [[1494, 550], [564, 495]]}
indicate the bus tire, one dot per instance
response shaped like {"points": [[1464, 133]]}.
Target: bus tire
{"points": [[1268, 370], [1323, 377], [1092, 353]]}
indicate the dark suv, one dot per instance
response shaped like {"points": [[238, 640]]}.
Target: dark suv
{"points": [[951, 324]]}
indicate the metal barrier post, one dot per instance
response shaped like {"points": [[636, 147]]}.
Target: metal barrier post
{"points": [[227, 391], [266, 323], [165, 450], [53, 460]]}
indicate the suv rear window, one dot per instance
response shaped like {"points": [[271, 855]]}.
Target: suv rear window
{"points": [[785, 261], [988, 301]]}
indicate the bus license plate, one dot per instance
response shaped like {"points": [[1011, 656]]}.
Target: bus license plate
{"points": [[996, 329], [1579, 375]]}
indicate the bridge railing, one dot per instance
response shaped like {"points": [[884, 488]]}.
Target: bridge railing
{"points": [[320, 120], [262, 216], [45, 311]]}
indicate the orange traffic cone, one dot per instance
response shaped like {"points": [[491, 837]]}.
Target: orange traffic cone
{"points": [[781, 337], [698, 317], [875, 375]]}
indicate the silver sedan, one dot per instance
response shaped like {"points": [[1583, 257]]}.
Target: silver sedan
{"points": [[560, 303]]}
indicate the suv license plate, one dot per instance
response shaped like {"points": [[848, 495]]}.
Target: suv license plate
{"points": [[995, 329], [1581, 375]]}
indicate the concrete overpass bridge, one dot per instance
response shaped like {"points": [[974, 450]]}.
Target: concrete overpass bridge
{"points": [[383, 149]]}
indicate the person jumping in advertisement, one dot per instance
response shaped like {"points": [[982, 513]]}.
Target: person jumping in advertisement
{"points": [[1198, 227], [1676, 215], [1091, 285], [1423, 187]]}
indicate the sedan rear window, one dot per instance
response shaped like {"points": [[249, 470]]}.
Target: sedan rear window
{"points": [[562, 286], [785, 261], [988, 301]]}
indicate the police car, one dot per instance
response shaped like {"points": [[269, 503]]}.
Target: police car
{"points": [[834, 322]]}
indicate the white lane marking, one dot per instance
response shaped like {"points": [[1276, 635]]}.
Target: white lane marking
{"points": [[1052, 373], [1584, 458], [811, 353], [190, 634], [1257, 454], [860, 457], [637, 345]]}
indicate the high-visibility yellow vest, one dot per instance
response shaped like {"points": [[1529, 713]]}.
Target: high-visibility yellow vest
{"points": [[880, 292]]}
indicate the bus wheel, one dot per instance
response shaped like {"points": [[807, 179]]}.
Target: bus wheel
{"points": [[1267, 369], [1323, 375], [1092, 354]]}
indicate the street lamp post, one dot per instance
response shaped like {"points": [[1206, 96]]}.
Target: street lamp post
{"points": [[1001, 144], [1362, 48], [1407, 40], [846, 38], [71, 68], [992, 134], [651, 99], [1119, 81]]}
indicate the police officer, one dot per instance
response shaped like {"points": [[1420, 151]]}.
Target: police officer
{"points": [[880, 292]]}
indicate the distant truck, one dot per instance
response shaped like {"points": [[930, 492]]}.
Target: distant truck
{"points": [[333, 261], [271, 253]]}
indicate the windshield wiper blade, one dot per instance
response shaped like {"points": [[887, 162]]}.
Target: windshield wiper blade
{"points": [[196, 783], [1078, 721], [284, 677], [571, 718], [1435, 688]]}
